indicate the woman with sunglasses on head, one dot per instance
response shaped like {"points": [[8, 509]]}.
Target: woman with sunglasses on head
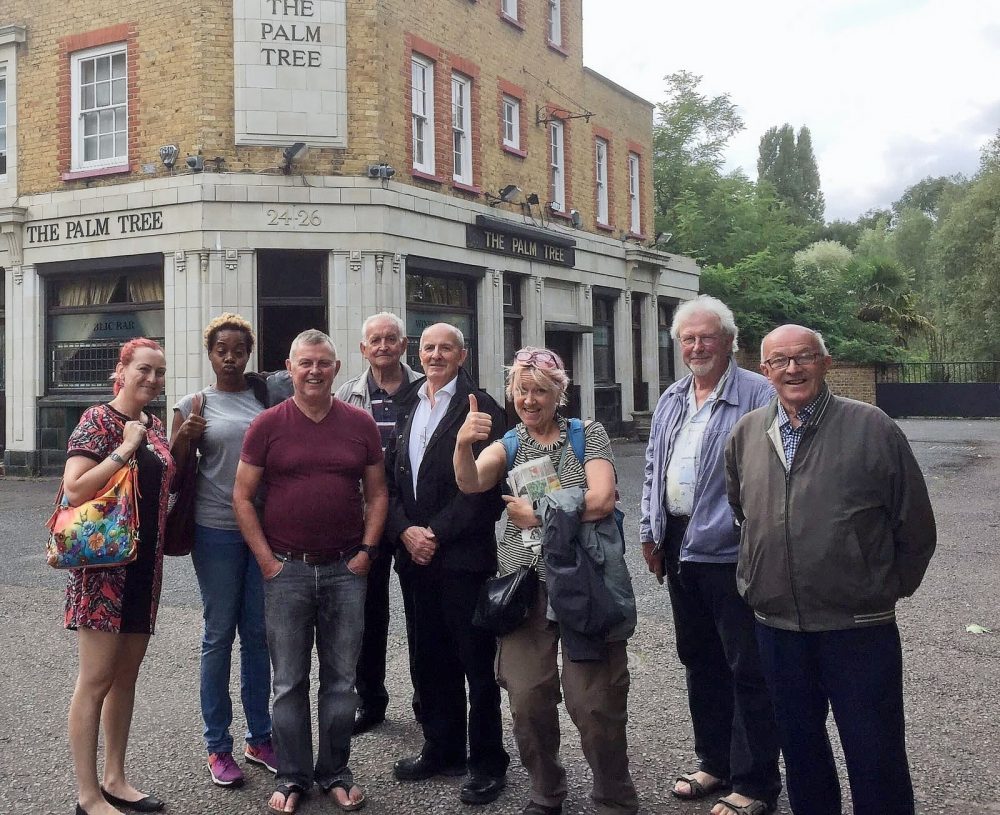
{"points": [[113, 610], [596, 692], [232, 588]]}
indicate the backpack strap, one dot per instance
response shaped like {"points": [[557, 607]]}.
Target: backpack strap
{"points": [[575, 435], [510, 444]]}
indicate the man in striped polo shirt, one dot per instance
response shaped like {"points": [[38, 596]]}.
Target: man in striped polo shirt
{"points": [[383, 344]]}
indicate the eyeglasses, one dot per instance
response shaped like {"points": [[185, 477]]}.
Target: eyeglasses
{"points": [[689, 340], [540, 359], [802, 360]]}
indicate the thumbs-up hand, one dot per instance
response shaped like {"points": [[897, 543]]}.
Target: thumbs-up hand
{"points": [[476, 426]]}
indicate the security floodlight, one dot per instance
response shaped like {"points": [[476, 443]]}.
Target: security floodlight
{"points": [[290, 154], [168, 155], [575, 218], [508, 193]]}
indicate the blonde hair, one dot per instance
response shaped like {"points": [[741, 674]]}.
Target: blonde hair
{"points": [[229, 320], [551, 378]]}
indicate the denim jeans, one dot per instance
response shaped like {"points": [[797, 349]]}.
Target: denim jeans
{"points": [[304, 603], [232, 594]]}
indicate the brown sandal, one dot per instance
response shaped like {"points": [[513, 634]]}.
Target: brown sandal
{"points": [[697, 789]]}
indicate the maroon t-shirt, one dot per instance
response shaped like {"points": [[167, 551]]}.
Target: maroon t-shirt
{"points": [[312, 472]]}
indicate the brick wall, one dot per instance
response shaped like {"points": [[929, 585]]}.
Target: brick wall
{"points": [[845, 379], [181, 70]]}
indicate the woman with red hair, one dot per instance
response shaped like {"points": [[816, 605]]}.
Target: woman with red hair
{"points": [[113, 610]]}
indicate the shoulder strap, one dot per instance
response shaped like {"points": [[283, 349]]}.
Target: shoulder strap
{"points": [[510, 444], [576, 438], [198, 404]]}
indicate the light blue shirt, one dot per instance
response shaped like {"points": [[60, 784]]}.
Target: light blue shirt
{"points": [[425, 421], [685, 453]]}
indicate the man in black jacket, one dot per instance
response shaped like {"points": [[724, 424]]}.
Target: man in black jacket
{"points": [[449, 551]]}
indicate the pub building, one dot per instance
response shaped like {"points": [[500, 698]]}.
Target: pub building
{"points": [[331, 160]]}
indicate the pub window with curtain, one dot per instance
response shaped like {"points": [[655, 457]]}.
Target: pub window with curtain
{"points": [[88, 318]]}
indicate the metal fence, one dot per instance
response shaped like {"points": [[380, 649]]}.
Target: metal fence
{"points": [[921, 373]]}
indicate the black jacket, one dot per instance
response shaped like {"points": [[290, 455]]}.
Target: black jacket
{"points": [[464, 524]]}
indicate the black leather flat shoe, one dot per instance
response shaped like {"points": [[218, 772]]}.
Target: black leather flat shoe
{"points": [[147, 804], [482, 789], [366, 719], [420, 767], [80, 810]]}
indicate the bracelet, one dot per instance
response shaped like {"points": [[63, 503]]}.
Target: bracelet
{"points": [[116, 458]]}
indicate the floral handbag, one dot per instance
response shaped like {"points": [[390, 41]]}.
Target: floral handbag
{"points": [[101, 532]]}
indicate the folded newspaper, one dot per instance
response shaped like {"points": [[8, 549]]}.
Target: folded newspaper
{"points": [[532, 480]]}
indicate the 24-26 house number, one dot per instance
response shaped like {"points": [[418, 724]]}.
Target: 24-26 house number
{"points": [[294, 217]]}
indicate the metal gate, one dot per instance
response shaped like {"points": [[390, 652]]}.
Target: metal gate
{"points": [[960, 389]]}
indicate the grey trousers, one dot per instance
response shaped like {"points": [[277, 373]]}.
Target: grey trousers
{"points": [[596, 699]]}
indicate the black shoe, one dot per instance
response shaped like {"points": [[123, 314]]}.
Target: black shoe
{"points": [[147, 804], [420, 767], [482, 789], [80, 810], [365, 719], [534, 808]]}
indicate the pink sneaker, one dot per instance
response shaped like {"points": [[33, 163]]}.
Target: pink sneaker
{"points": [[225, 772], [262, 754]]}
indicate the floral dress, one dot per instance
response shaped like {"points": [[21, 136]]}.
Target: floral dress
{"points": [[123, 599]]}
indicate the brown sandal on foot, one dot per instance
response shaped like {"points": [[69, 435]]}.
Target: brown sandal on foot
{"points": [[697, 789]]}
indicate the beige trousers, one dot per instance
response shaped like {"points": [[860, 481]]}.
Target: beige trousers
{"points": [[596, 700]]}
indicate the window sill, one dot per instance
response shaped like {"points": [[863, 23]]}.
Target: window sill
{"points": [[605, 227], [639, 236], [514, 151], [96, 172], [420, 175], [472, 189], [513, 22], [558, 213], [557, 48]]}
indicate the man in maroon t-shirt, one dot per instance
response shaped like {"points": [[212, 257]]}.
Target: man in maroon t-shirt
{"points": [[314, 546]]}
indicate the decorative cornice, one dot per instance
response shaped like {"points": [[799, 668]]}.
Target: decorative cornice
{"points": [[12, 34], [180, 262], [355, 260]]}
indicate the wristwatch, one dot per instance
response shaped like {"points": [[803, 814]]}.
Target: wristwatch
{"points": [[116, 458], [371, 551]]}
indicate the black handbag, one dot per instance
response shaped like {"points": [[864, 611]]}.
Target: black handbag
{"points": [[505, 602]]}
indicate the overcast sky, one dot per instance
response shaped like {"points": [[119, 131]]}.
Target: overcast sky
{"points": [[892, 90]]}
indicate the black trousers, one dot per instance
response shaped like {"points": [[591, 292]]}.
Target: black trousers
{"points": [[370, 679], [734, 731], [450, 652]]}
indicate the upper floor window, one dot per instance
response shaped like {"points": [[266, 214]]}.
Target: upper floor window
{"points": [[512, 122], [100, 107], [601, 177], [635, 224], [509, 7], [557, 166], [461, 127], [555, 22], [3, 121], [422, 104]]}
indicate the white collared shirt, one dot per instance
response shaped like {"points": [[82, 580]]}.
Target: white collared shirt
{"points": [[425, 422], [685, 453]]}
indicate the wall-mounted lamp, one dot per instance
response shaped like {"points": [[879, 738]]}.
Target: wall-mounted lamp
{"points": [[509, 193], [383, 171], [575, 218], [290, 154], [195, 163], [168, 155], [662, 238]]}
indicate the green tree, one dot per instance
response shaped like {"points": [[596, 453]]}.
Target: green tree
{"points": [[790, 166]]}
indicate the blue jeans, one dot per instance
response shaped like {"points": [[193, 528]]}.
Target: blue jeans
{"points": [[232, 594], [859, 673], [304, 603]]}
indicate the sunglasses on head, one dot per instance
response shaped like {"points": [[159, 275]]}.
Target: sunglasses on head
{"points": [[540, 359]]}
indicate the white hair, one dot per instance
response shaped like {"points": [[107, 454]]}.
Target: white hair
{"points": [[311, 336], [706, 304], [386, 316]]}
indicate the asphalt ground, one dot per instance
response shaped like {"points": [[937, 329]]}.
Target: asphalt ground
{"points": [[951, 680]]}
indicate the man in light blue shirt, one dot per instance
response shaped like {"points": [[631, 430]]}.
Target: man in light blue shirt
{"points": [[688, 536]]}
